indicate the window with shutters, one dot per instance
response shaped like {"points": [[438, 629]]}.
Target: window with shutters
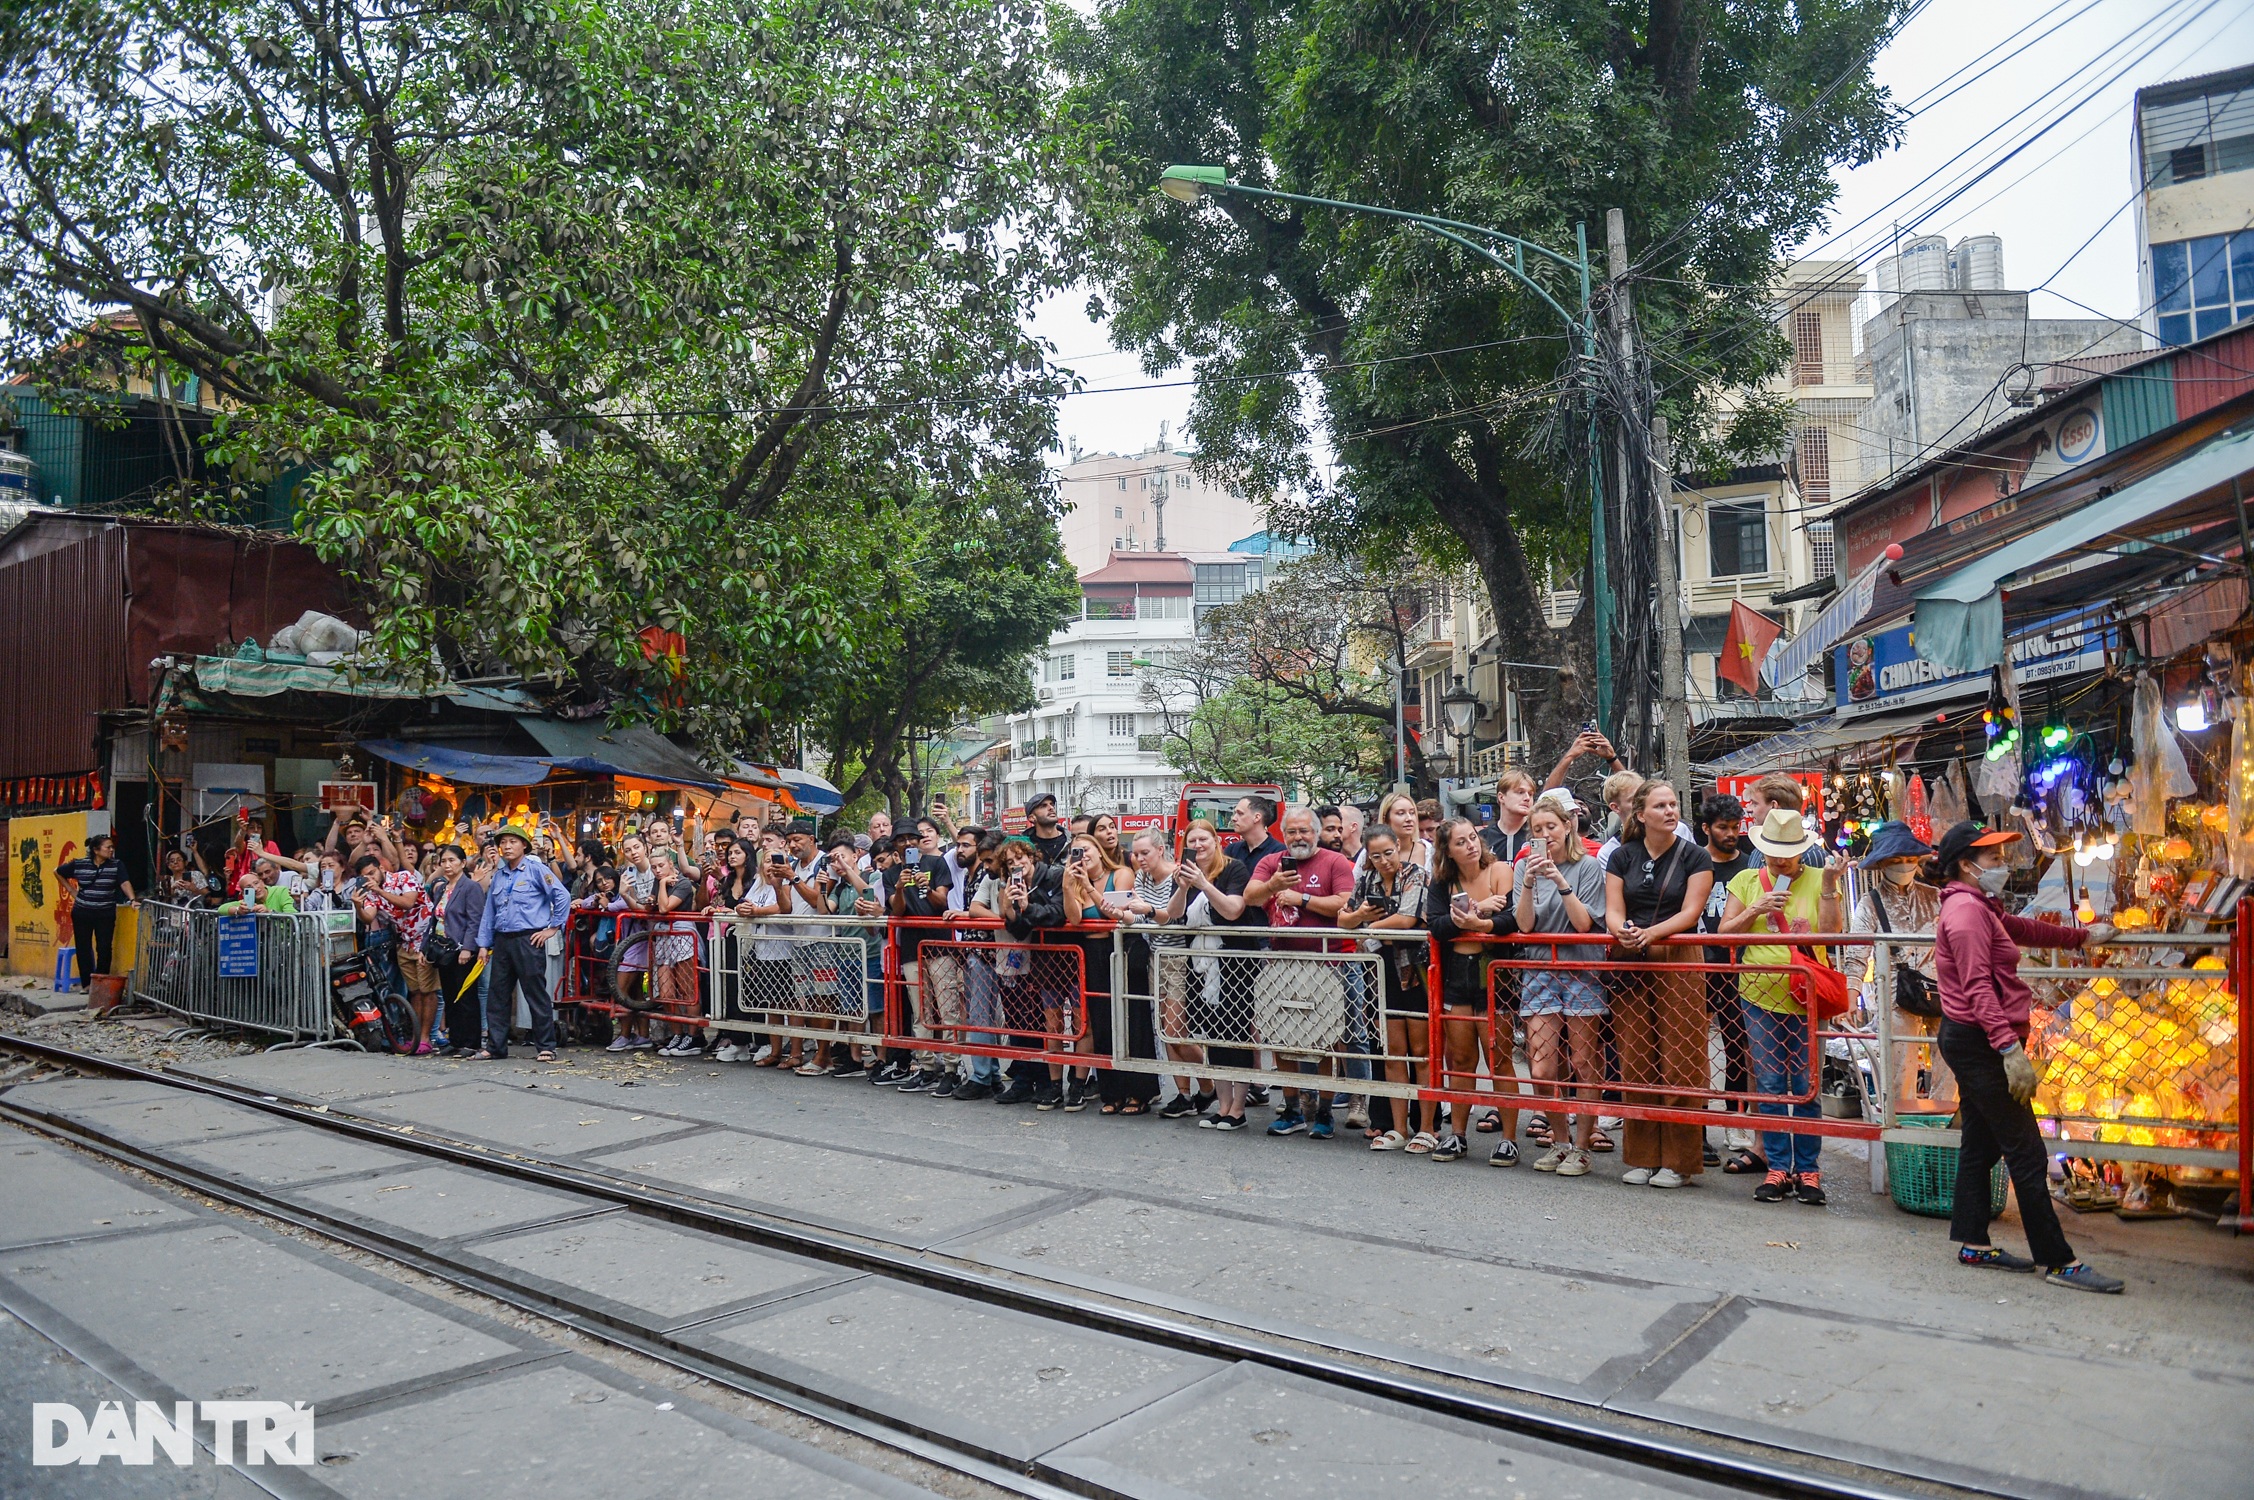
{"points": [[1119, 664], [1060, 668], [1815, 465], [1119, 726], [1823, 562], [1807, 347], [1122, 788]]}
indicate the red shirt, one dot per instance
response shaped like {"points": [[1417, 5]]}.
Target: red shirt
{"points": [[240, 860], [1976, 960], [1326, 872]]}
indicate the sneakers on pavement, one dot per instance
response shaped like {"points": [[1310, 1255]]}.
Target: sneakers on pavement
{"points": [[1988, 1257], [1506, 1155], [1667, 1177], [1222, 1122], [1049, 1096], [620, 1043], [1574, 1164], [892, 1073], [1774, 1188], [728, 1052], [1290, 1122], [1636, 1176], [1075, 1094], [1176, 1107], [852, 1067], [1810, 1189], [974, 1088], [1320, 1130], [1020, 1091], [2083, 1279], [1552, 1159], [1451, 1148], [1358, 1116]]}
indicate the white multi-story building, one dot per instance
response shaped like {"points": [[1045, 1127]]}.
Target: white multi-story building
{"points": [[1092, 739], [1146, 502]]}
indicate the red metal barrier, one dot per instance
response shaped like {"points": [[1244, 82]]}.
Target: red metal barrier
{"points": [[1056, 971], [586, 973], [1660, 1099], [2242, 980]]}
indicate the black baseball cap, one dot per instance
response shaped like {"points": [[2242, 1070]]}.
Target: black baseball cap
{"points": [[1963, 839], [1050, 798]]}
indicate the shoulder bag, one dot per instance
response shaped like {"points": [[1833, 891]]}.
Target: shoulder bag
{"points": [[1914, 994], [1820, 988]]}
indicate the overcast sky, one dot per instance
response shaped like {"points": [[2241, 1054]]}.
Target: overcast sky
{"points": [[2078, 62]]}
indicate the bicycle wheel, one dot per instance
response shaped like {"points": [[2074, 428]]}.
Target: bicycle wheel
{"points": [[629, 972]]}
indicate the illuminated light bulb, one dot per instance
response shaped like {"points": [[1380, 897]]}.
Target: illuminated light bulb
{"points": [[2085, 913], [2191, 717], [2105, 850]]}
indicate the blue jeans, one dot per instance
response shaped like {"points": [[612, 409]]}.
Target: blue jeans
{"points": [[1780, 1066], [985, 1008]]}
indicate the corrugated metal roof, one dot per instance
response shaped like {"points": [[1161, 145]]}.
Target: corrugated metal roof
{"points": [[2138, 403], [62, 635]]}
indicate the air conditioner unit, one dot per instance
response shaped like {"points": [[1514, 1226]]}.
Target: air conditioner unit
{"points": [[1048, 695]]}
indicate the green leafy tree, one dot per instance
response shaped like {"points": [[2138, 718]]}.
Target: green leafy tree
{"points": [[971, 596], [1248, 732], [1443, 386], [566, 318]]}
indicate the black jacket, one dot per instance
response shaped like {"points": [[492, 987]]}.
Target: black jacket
{"points": [[1044, 902]]}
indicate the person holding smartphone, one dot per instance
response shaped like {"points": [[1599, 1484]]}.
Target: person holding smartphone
{"points": [[1656, 884], [1560, 888], [1470, 901]]}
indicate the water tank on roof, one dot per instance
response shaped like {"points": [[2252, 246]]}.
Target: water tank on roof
{"points": [[1924, 264], [1977, 263]]}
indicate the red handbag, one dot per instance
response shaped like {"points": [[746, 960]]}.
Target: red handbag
{"points": [[1819, 989]]}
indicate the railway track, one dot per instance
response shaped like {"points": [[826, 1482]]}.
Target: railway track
{"points": [[1550, 1426]]}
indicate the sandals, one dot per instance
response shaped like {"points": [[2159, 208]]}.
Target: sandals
{"points": [[1387, 1140], [1600, 1142], [1422, 1143], [481, 1057], [1745, 1162], [1111, 1108], [1133, 1107], [1489, 1123], [1538, 1131], [544, 1055]]}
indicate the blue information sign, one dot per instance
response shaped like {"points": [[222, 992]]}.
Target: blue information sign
{"points": [[238, 947]]}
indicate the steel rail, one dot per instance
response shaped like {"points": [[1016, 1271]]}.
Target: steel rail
{"points": [[1744, 1472]]}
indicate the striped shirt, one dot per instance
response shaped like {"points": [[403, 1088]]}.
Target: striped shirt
{"points": [[97, 883]]}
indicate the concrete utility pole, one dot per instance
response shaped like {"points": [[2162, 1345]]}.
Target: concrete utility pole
{"points": [[1674, 673], [1674, 681]]}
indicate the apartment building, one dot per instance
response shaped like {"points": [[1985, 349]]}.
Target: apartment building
{"points": [[1091, 739], [2193, 145], [1146, 502]]}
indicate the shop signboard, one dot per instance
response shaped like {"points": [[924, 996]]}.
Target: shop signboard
{"points": [[1131, 824], [1014, 820], [38, 904], [348, 797], [1881, 672], [238, 947]]}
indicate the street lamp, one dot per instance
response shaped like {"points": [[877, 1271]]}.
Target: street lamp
{"points": [[1460, 707], [1188, 183]]}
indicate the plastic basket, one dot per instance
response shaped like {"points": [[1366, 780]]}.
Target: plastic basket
{"points": [[1923, 1179]]}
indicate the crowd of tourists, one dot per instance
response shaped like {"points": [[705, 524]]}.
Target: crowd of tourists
{"points": [[1004, 942]]}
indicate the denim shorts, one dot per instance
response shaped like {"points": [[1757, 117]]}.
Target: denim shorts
{"points": [[1549, 993]]}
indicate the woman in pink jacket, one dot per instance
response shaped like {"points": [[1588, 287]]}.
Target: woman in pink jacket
{"points": [[1984, 1005]]}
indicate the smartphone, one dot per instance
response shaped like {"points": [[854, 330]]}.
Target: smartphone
{"points": [[328, 880], [913, 858], [1289, 864], [1460, 904]]}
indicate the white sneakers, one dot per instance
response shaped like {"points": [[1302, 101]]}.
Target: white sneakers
{"points": [[1552, 1159], [1665, 1177], [731, 1052], [1575, 1164]]}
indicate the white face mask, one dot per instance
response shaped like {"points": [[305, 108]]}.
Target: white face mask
{"points": [[1901, 874], [1993, 878]]}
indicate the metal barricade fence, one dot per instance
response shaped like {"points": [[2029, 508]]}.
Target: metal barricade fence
{"points": [[813, 976], [2139, 1045], [967, 987], [177, 969], [1350, 1006]]}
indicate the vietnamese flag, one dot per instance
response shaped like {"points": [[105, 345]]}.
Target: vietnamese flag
{"points": [[1745, 646]]}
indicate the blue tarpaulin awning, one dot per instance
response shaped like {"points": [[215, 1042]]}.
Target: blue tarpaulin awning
{"points": [[462, 765], [811, 792]]}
